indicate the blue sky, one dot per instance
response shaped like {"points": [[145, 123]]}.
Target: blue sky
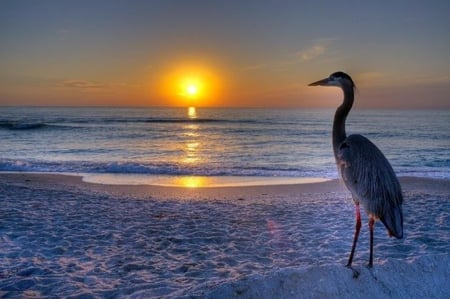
{"points": [[260, 53]]}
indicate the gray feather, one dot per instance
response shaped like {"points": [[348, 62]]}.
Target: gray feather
{"points": [[372, 181]]}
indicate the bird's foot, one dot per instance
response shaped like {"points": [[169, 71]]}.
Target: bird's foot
{"points": [[355, 274]]}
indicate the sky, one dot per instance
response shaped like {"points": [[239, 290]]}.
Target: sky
{"points": [[223, 53]]}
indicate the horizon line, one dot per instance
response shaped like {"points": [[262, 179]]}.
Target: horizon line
{"points": [[220, 107]]}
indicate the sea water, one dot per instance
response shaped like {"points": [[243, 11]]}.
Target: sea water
{"points": [[129, 144]]}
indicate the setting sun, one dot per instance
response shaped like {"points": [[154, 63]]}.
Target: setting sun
{"points": [[192, 90], [190, 85]]}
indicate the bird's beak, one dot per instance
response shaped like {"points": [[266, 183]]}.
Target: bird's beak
{"points": [[320, 82]]}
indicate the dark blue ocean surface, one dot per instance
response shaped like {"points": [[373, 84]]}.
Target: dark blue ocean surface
{"points": [[214, 142]]}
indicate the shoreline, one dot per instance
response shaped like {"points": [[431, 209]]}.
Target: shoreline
{"points": [[239, 193], [176, 182], [254, 194], [62, 237], [195, 181]]}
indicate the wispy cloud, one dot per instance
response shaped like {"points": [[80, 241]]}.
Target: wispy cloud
{"points": [[318, 48], [96, 87], [322, 47], [86, 86], [311, 53], [82, 84]]}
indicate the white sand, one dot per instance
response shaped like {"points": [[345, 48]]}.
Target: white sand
{"points": [[422, 277], [60, 237]]}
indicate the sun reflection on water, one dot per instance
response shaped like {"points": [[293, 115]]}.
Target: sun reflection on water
{"points": [[191, 152], [191, 181], [192, 113], [192, 144], [191, 130]]}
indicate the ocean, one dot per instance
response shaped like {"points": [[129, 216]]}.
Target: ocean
{"points": [[116, 144]]}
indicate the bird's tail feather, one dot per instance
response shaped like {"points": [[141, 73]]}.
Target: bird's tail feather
{"points": [[393, 220]]}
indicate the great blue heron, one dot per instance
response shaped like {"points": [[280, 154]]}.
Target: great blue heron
{"points": [[365, 170]]}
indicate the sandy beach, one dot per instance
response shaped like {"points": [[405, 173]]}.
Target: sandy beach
{"points": [[62, 237]]}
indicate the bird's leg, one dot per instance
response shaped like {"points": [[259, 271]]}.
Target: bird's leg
{"points": [[371, 225], [355, 237]]}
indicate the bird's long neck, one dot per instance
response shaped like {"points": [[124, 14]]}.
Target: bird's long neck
{"points": [[340, 116]]}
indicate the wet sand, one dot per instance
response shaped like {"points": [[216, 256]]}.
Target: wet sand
{"points": [[61, 237]]}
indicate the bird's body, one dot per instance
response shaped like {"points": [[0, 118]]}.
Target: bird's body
{"points": [[365, 170], [372, 181]]}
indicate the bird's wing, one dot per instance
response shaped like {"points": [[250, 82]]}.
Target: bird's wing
{"points": [[371, 179]]}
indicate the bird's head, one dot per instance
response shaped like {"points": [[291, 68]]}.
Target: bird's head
{"points": [[339, 79]]}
